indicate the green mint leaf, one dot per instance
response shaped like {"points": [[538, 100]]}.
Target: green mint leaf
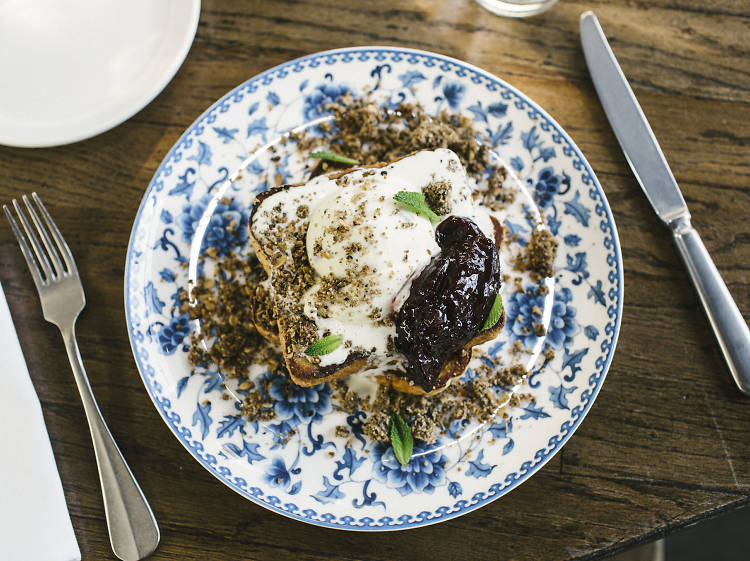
{"points": [[401, 439], [415, 202], [325, 346], [332, 156], [496, 312]]}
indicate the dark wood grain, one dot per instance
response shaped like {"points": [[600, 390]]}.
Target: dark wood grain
{"points": [[666, 443]]}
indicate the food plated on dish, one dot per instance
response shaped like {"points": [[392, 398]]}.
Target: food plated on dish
{"points": [[392, 271], [409, 286]]}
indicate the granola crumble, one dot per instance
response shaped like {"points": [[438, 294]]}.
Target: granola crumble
{"points": [[538, 257], [436, 195]]}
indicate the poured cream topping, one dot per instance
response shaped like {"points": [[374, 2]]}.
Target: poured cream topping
{"points": [[361, 233]]}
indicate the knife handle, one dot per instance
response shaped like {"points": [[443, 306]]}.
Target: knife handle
{"points": [[726, 320]]}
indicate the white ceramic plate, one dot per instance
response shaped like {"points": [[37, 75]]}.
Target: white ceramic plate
{"points": [[314, 475], [71, 69]]}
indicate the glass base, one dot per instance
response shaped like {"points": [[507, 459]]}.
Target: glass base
{"points": [[516, 8]]}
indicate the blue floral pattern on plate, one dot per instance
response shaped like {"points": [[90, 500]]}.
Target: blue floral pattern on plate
{"points": [[294, 464]]}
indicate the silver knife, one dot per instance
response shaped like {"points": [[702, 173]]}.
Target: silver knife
{"points": [[653, 174]]}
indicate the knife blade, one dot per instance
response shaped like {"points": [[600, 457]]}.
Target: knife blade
{"points": [[629, 123], [646, 159]]}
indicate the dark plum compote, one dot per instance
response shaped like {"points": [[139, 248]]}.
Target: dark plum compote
{"points": [[449, 301]]}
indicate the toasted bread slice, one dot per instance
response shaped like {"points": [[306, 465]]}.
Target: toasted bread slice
{"points": [[286, 263], [302, 369]]}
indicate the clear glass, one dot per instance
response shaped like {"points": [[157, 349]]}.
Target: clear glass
{"points": [[516, 8]]}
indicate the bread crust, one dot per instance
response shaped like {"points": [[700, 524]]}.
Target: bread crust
{"points": [[269, 333]]}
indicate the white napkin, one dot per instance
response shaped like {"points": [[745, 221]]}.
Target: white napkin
{"points": [[34, 520]]}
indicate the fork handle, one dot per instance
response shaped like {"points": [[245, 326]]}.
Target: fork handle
{"points": [[133, 531], [725, 318]]}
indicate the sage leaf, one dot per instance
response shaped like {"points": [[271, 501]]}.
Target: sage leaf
{"points": [[401, 439], [415, 202], [325, 345], [496, 312], [332, 156]]}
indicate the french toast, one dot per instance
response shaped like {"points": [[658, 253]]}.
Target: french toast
{"points": [[341, 257]]}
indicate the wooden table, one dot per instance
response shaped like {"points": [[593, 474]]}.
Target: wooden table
{"points": [[666, 443]]}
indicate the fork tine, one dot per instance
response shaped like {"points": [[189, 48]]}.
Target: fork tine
{"points": [[54, 257], [25, 249], [34, 242], [57, 236]]}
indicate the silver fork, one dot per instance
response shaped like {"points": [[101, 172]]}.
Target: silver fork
{"points": [[133, 531]]}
